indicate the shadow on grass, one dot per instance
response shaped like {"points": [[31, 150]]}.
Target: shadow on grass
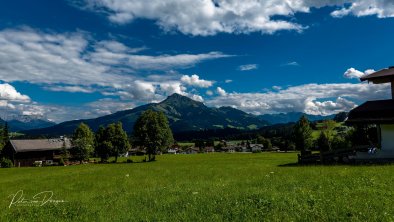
{"points": [[388, 163]]}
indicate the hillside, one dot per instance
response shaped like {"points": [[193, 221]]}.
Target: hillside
{"points": [[27, 123], [291, 117], [183, 113]]}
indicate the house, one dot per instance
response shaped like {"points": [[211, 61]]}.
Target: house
{"points": [[209, 149], [26, 152], [172, 151], [256, 147], [191, 150], [229, 149], [379, 113]]}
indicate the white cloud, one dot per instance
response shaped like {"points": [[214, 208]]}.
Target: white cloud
{"points": [[247, 67], [310, 98], [221, 91], [353, 73], [228, 80], [209, 92], [205, 17], [195, 80], [196, 97], [78, 61], [359, 8], [291, 64], [9, 93], [71, 89]]}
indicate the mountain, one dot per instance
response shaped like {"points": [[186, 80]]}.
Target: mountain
{"points": [[183, 113], [291, 117], [20, 123]]}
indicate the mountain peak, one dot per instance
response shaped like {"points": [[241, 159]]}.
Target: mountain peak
{"points": [[180, 99]]}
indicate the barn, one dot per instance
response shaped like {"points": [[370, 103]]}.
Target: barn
{"points": [[26, 152]]}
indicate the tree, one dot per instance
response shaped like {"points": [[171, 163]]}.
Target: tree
{"points": [[266, 142], [302, 134], [153, 132], [118, 139], [323, 142], [103, 147], [64, 152], [83, 141]]}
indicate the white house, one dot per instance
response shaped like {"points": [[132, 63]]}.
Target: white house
{"points": [[379, 113], [172, 151], [256, 147]]}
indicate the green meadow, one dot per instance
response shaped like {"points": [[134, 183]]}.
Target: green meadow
{"points": [[203, 187]]}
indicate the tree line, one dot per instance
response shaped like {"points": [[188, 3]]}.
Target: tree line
{"points": [[151, 132]]}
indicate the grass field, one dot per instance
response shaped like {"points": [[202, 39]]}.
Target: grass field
{"points": [[203, 187]]}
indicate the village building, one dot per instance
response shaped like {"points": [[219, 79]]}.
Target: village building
{"points": [[172, 150], [256, 147], [379, 113], [26, 152]]}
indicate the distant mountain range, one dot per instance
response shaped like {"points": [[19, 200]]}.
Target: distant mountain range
{"points": [[291, 117], [183, 113], [21, 123]]}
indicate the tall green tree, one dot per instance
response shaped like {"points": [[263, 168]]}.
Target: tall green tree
{"points": [[103, 146], [153, 132], [83, 142], [118, 139], [302, 134], [326, 136]]}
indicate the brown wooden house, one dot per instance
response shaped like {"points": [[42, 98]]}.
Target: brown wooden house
{"points": [[26, 152]]}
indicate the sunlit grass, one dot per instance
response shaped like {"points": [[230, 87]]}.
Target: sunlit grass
{"points": [[204, 187]]}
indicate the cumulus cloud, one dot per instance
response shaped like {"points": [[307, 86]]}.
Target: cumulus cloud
{"points": [[353, 73], [9, 93], [247, 67], [228, 80], [309, 98], [194, 80], [221, 91]]}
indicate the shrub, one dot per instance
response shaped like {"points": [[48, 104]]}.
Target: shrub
{"points": [[61, 162], [6, 163], [129, 161]]}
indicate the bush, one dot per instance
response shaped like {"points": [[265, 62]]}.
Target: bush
{"points": [[61, 162], [129, 161], [6, 163]]}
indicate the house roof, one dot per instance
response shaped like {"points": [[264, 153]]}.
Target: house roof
{"points": [[381, 76], [373, 112], [40, 144]]}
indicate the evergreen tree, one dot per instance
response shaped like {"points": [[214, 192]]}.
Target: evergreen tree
{"points": [[83, 141], [323, 142], [302, 134], [6, 135], [153, 132]]}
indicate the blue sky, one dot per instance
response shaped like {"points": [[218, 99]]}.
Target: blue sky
{"points": [[70, 59]]}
